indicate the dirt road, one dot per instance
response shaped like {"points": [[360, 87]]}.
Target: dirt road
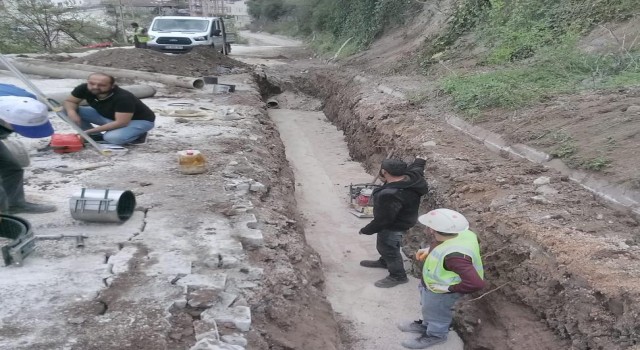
{"points": [[322, 167]]}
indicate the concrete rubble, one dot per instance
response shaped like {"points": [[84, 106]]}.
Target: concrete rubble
{"points": [[179, 254]]}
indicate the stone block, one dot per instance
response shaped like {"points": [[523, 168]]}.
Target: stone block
{"points": [[211, 344], [204, 330], [248, 221], [203, 298], [238, 317], [120, 260], [234, 339], [250, 239], [216, 281], [542, 180], [258, 187]]}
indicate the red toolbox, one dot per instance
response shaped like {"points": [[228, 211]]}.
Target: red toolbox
{"points": [[66, 143]]}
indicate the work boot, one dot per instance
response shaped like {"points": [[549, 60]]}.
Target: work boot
{"points": [[413, 327], [391, 281], [31, 208], [141, 140], [374, 263], [423, 342]]}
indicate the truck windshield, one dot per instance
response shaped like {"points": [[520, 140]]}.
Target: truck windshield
{"points": [[180, 25]]}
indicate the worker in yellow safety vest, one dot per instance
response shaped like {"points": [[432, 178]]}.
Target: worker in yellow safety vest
{"points": [[452, 267], [140, 36]]}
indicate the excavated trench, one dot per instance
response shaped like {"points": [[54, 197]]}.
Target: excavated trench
{"points": [[546, 264]]}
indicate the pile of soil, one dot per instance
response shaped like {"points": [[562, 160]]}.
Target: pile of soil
{"points": [[201, 61]]}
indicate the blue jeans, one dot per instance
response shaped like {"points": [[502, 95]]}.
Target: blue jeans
{"points": [[437, 311], [120, 136]]}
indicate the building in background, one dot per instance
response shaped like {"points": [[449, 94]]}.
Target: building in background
{"points": [[237, 9]]}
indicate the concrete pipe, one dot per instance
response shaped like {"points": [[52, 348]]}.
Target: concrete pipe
{"points": [[80, 71], [272, 103], [98, 205], [140, 91]]}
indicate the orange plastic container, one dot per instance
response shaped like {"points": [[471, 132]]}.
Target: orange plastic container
{"points": [[191, 162], [66, 143]]}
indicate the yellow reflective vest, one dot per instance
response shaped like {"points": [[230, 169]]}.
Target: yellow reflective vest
{"points": [[433, 271], [142, 38]]}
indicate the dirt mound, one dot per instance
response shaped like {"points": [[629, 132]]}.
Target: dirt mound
{"points": [[200, 61]]}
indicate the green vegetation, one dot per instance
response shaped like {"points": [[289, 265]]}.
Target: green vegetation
{"points": [[566, 146], [329, 23], [596, 164], [532, 51]]}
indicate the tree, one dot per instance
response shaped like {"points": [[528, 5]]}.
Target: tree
{"points": [[48, 25], [268, 10]]}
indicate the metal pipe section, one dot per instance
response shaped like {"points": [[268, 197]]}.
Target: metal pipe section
{"points": [[81, 71], [99, 205]]}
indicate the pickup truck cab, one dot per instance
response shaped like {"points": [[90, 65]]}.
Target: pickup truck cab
{"points": [[181, 34]]}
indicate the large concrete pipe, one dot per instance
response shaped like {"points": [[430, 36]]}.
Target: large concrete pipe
{"points": [[140, 91], [81, 71]]}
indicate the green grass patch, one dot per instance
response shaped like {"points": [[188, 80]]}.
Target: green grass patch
{"points": [[553, 71], [596, 164]]}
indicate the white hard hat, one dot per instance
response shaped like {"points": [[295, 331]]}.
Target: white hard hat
{"points": [[445, 221]]}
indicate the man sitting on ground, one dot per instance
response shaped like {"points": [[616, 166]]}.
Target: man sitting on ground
{"points": [[120, 117]]}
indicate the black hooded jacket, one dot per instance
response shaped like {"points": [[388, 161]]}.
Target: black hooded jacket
{"points": [[396, 204]]}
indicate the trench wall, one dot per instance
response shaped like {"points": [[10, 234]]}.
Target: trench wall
{"points": [[543, 293]]}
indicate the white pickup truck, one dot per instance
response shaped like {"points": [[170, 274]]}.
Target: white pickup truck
{"points": [[181, 34]]}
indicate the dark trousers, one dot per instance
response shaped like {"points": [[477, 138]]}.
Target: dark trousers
{"points": [[388, 245], [11, 177]]}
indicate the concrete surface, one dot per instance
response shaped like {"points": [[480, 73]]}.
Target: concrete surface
{"points": [[322, 166]]}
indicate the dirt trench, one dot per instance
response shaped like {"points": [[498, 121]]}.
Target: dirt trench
{"points": [[561, 271]]}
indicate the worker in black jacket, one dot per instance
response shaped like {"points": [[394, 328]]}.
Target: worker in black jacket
{"points": [[395, 210]]}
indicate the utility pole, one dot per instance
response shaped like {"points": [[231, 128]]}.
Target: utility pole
{"points": [[124, 26]]}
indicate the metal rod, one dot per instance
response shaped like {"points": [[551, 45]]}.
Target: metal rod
{"points": [[56, 108]]}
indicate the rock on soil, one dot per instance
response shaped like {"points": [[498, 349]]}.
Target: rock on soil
{"points": [[199, 62]]}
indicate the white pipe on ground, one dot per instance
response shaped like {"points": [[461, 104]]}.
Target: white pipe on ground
{"points": [[140, 91], [81, 71]]}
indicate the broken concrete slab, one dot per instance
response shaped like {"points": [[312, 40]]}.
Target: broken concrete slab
{"points": [[542, 180], [209, 344], [251, 239], [204, 330], [168, 263], [120, 261], [235, 339], [238, 317], [203, 298], [246, 220], [215, 281]]}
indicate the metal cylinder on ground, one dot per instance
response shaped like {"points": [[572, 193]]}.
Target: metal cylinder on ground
{"points": [[79, 71], [18, 230], [102, 205]]}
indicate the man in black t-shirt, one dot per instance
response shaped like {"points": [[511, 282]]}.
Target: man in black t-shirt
{"points": [[114, 114]]}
